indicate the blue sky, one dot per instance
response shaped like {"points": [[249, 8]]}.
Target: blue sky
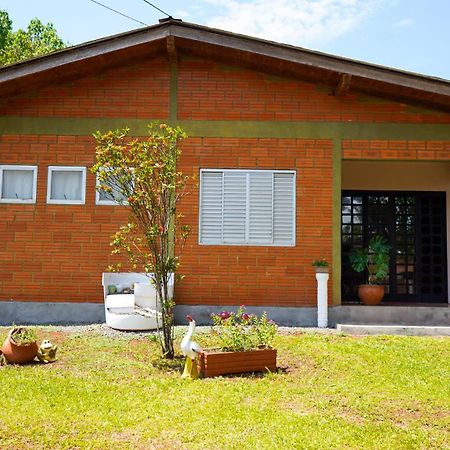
{"points": [[412, 35]]}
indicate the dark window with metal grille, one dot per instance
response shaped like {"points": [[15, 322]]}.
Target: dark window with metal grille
{"points": [[415, 226]]}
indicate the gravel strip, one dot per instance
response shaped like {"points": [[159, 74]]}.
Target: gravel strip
{"points": [[105, 330]]}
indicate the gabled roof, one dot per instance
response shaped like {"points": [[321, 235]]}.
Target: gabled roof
{"points": [[171, 36]]}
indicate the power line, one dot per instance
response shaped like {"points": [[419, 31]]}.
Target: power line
{"points": [[118, 12], [159, 9]]}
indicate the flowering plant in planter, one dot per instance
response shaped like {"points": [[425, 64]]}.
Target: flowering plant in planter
{"points": [[20, 346], [321, 265], [245, 344], [241, 331]]}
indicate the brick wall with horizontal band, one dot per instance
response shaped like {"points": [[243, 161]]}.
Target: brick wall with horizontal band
{"points": [[54, 252], [259, 275], [209, 90], [58, 252], [137, 91]]}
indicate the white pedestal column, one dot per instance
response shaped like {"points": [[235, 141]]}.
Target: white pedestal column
{"points": [[322, 299]]}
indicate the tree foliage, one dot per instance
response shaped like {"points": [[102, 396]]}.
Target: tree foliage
{"points": [[36, 40], [143, 173]]}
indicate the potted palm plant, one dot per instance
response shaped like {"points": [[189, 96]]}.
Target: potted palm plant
{"points": [[375, 259]]}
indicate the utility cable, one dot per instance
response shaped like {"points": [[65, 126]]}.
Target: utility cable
{"points": [[118, 12], [159, 9]]}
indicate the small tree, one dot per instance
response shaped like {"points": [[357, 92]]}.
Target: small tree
{"points": [[143, 173], [36, 40]]}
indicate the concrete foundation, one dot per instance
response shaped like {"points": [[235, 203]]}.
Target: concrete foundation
{"points": [[424, 315], [44, 313], [47, 313], [406, 330], [289, 317]]}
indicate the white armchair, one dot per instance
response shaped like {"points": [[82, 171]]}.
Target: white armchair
{"points": [[131, 312]]}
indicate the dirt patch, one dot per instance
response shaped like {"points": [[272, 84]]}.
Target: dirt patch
{"points": [[133, 439], [300, 409]]}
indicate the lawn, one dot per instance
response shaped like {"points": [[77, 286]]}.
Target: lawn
{"points": [[331, 391]]}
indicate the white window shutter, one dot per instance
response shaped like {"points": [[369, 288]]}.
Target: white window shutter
{"points": [[284, 208], [253, 207], [211, 205], [260, 210], [234, 207]]}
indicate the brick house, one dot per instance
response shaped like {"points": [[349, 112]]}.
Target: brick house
{"points": [[299, 155]]}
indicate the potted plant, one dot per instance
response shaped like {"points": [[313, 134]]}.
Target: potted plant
{"points": [[20, 346], [244, 345], [321, 265], [374, 259]]}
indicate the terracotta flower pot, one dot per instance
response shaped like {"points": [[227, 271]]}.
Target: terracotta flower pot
{"points": [[371, 294], [213, 363], [19, 354]]}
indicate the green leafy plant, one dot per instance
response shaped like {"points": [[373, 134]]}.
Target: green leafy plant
{"points": [[322, 262], [36, 40], [23, 336], [240, 331], [374, 259], [144, 172]]}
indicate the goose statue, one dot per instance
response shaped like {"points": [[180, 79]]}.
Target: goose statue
{"points": [[191, 350]]}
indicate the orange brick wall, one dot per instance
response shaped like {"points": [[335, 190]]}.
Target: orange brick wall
{"points": [[396, 150], [138, 92], [54, 252], [211, 91], [260, 275], [58, 252]]}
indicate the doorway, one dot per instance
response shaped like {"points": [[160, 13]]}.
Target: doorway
{"points": [[415, 225]]}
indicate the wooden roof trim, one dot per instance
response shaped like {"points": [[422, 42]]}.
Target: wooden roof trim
{"points": [[83, 51], [205, 35], [314, 59]]}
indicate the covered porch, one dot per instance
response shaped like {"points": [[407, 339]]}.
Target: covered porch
{"points": [[409, 203]]}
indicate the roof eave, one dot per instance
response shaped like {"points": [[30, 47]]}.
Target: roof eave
{"points": [[435, 89], [84, 51]]}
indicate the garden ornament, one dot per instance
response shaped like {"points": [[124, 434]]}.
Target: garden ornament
{"points": [[47, 352], [3, 361], [191, 350]]}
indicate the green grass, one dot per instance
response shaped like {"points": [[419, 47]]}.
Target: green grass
{"points": [[331, 391]]}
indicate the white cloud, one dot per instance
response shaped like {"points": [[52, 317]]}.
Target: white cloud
{"points": [[298, 22], [403, 23]]}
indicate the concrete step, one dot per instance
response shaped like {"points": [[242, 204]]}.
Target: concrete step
{"points": [[402, 330]]}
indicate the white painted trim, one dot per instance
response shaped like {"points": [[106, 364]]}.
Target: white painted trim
{"points": [[34, 188], [81, 169], [247, 172]]}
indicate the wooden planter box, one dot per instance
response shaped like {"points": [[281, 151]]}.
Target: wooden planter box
{"points": [[212, 363]]}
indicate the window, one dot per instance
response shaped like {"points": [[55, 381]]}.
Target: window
{"points": [[66, 185], [18, 184], [247, 207], [105, 198]]}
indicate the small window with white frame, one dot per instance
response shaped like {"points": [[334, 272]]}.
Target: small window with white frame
{"points": [[18, 184], [66, 185], [247, 207], [113, 197]]}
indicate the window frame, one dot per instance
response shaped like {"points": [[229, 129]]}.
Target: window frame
{"points": [[247, 218], [34, 169], [52, 169], [100, 202]]}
